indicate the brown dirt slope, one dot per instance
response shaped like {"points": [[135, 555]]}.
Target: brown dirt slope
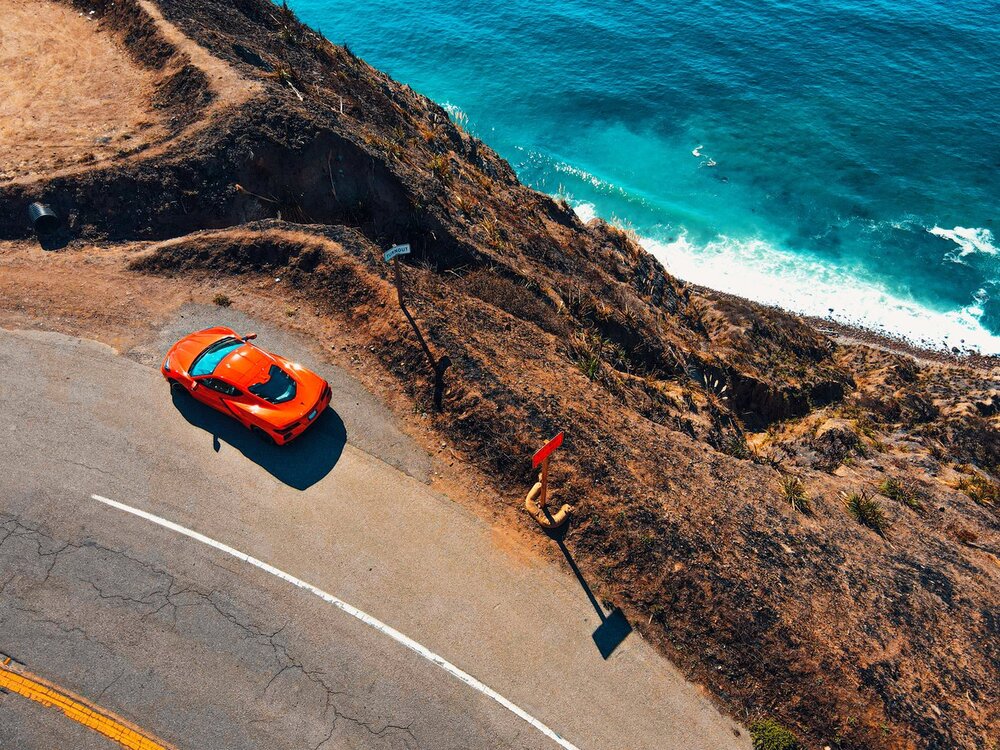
{"points": [[863, 614], [68, 94]]}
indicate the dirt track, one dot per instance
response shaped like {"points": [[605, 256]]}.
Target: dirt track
{"points": [[68, 94]]}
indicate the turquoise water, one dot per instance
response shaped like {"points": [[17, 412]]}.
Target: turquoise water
{"points": [[835, 155]]}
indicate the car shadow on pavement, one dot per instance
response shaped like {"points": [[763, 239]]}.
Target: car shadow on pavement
{"points": [[614, 627], [300, 464]]}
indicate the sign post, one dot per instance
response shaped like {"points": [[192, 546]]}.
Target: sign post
{"points": [[438, 366], [537, 501], [392, 254]]}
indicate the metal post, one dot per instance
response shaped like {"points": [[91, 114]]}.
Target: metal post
{"points": [[438, 367], [544, 495], [399, 281]]}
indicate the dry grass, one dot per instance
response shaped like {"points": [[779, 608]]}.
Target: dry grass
{"points": [[867, 510], [103, 103], [467, 204], [440, 165], [426, 132], [795, 493], [901, 492], [980, 489]]}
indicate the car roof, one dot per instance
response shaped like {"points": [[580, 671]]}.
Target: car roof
{"points": [[245, 366]]}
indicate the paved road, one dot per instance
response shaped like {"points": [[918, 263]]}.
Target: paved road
{"points": [[207, 652]]}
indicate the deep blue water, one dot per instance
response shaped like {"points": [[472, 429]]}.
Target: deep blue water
{"points": [[841, 154]]}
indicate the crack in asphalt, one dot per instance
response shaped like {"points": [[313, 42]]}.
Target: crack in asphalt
{"points": [[110, 685], [168, 594], [81, 464]]}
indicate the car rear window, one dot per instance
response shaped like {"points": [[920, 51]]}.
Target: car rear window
{"points": [[206, 362], [278, 388]]}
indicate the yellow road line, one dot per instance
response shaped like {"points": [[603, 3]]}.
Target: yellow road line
{"points": [[126, 734]]}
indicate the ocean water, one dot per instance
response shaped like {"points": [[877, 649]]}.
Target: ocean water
{"points": [[838, 158]]}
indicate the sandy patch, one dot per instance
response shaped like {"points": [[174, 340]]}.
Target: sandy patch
{"points": [[68, 94]]}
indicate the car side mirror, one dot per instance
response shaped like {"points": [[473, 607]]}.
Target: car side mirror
{"points": [[250, 337]]}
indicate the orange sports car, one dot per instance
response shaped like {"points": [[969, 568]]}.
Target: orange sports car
{"points": [[275, 398]]}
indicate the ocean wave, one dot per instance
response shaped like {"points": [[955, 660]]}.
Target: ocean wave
{"points": [[970, 240], [756, 270], [585, 210], [457, 115], [596, 182], [708, 161]]}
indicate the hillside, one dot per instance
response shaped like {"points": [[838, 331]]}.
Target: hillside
{"points": [[808, 526]]}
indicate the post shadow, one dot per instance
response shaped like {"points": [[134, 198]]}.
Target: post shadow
{"points": [[614, 627], [438, 366], [300, 464]]}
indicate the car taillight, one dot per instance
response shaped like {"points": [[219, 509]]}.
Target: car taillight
{"points": [[286, 430]]}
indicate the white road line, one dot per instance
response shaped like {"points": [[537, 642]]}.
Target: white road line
{"points": [[367, 619]]}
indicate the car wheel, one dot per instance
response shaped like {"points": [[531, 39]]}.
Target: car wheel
{"points": [[266, 437], [177, 388]]}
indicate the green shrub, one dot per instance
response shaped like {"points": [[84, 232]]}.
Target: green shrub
{"points": [[736, 446], [222, 300], [980, 489], [591, 351], [440, 166], [867, 510], [589, 364], [767, 734], [795, 493], [893, 489]]}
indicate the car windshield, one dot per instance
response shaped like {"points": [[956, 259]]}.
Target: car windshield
{"points": [[206, 362], [278, 388]]}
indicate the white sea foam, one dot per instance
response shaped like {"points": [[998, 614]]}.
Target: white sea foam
{"points": [[457, 115], [970, 240], [594, 180], [586, 211], [758, 271]]}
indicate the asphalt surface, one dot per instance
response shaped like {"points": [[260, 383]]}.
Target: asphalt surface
{"points": [[205, 651]]}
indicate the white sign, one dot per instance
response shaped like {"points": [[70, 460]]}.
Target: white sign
{"points": [[397, 250]]}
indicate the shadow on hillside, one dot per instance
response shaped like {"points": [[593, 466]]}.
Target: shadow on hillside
{"points": [[300, 464], [614, 627]]}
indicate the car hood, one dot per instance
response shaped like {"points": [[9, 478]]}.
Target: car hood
{"points": [[184, 352]]}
